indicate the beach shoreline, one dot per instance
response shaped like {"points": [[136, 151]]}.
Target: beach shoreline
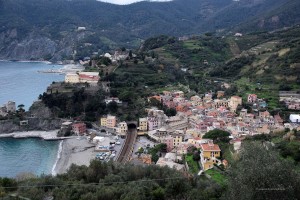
{"points": [[71, 150], [74, 151], [29, 61]]}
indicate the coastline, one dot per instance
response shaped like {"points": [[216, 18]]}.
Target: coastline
{"points": [[73, 151], [59, 152], [46, 135], [29, 61]]}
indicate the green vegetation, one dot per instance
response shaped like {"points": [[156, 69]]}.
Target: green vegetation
{"points": [[287, 143], [258, 173], [110, 26], [193, 165], [217, 176], [114, 181], [80, 102], [155, 151], [261, 174], [217, 135]]}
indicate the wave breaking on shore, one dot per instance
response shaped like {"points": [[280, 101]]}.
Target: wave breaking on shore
{"points": [[59, 152]]}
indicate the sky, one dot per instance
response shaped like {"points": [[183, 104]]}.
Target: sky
{"points": [[124, 2]]}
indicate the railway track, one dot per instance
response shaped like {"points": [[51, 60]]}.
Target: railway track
{"points": [[127, 148]]}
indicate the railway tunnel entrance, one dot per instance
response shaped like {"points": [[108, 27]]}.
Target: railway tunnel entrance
{"points": [[132, 125]]}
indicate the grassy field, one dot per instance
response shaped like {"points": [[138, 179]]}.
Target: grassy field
{"points": [[263, 91], [193, 165], [217, 176], [192, 44]]}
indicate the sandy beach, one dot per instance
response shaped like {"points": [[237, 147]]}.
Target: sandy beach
{"points": [[74, 150]]}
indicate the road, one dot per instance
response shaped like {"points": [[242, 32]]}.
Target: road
{"points": [[128, 145]]}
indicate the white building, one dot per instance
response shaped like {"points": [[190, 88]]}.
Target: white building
{"points": [[11, 106], [111, 99], [295, 118], [81, 28], [122, 128]]}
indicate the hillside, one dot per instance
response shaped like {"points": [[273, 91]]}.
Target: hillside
{"points": [[261, 63], [47, 29]]}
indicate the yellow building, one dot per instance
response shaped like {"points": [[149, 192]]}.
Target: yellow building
{"points": [[234, 102], [177, 138], [209, 155], [193, 132], [143, 124], [103, 121], [72, 78]]}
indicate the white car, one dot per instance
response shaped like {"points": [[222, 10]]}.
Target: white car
{"points": [[118, 143]]}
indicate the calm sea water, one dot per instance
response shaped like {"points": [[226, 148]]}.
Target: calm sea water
{"points": [[27, 155], [21, 82]]}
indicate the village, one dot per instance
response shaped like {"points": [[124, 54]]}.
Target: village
{"points": [[182, 134], [195, 117]]}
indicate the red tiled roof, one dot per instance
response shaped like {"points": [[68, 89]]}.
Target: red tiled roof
{"points": [[89, 77], [210, 147]]}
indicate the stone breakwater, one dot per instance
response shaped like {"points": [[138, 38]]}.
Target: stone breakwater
{"points": [[46, 135]]}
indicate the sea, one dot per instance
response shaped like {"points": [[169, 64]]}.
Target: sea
{"points": [[21, 82], [31, 155]]}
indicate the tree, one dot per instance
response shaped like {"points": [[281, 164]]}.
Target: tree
{"points": [[262, 174], [170, 112], [112, 107], [21, 111], [217, 135], [196, 155], [21, 107]]}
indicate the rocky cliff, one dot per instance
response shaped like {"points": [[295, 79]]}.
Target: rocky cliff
{"points": [[35, 46], [39, 118], [9, 126]]}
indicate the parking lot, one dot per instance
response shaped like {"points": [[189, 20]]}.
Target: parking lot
{"points": [[111, 145]]}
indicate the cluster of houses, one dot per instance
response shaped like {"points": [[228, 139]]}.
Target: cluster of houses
{"points": [[290, 99], [9, 107], [77, 128], [198, 115], [110, 122]]}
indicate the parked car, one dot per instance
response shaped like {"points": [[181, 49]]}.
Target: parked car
{"points": [[118, 142]]}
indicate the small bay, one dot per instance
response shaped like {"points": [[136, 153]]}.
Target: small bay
{"points": [[21, 82]]}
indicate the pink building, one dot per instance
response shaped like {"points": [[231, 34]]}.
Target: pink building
{"points": [[252, 98], [79, 128], [111, 121], [152, 123], [169, 142]]}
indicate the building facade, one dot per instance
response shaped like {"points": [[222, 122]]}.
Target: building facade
{"points": [[210, 153], [79, 128]]}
